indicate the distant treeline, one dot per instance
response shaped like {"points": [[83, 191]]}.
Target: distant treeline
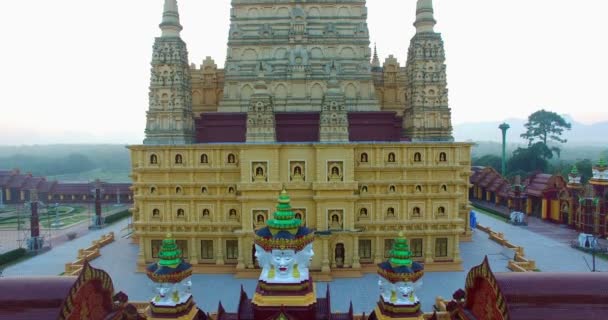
{"points": [[51, 160]]}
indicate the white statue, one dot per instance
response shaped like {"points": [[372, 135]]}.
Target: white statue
{"points": [[279, 266], [405, 293]]}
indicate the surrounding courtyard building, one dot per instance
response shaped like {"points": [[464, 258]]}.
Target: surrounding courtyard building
{"points": [[364, 150]]}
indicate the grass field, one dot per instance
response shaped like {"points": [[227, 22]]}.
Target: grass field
{"points": [[116, 176]]}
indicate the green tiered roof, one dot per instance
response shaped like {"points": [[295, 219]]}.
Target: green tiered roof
{"points": [[602, 163], [400, 255], [170, 254], [284, 218], [574, 171]]}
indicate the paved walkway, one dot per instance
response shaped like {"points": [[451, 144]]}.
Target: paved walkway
{"points": [[119, 259], [52, 263], [547, 243]]}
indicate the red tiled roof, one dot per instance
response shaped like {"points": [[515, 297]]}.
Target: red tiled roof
{"points": [[535, 295], [33, 297], [542, 182], [19, 181], [32, 183], [72, 188]]}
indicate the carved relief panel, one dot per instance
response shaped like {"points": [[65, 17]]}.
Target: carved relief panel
{"points": [[300, 213]]}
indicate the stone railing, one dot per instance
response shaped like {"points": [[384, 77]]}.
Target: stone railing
{"points": [[88, 254], [519, 262]]}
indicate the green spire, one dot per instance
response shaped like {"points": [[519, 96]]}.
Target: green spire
{"points": [[574, 171], [602, 163], [400, 255], [170, 254], [284, 218]]}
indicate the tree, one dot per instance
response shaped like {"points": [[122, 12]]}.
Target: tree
{"points": [[529, 159], [544, 126], [489, 160]]}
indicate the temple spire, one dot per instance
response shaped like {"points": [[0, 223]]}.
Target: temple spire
{"points": [[170, 26], [375, 60], [425, 21]]}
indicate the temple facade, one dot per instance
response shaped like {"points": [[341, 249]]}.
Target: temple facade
{"points": [[365, 149]]}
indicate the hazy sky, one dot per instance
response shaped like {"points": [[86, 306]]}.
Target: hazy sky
{"points": [[78, 70]]}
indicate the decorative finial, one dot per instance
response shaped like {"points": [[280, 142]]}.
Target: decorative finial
{"points": [[425, 21], [375, 60], [170, 26]]}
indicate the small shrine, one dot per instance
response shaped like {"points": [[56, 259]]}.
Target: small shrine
{"points": [[285, 290], [399, 279], [171, 275], [284, 250]]}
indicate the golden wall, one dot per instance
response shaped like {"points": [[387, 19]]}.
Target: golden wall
{"points": [[356, 196]]}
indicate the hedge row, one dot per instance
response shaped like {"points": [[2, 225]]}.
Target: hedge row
{"points": [[117, 216], [12, 256]]}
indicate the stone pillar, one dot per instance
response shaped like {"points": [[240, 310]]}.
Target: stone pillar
{"points": [[379, 254], [240, 261], [248, 257], [428, 250], [193, 254], [219, 260], [457, 249], [325, 263], [356, 264], [141, 258]]}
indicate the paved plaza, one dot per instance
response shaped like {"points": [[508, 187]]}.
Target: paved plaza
{"points": [[118, 259]]}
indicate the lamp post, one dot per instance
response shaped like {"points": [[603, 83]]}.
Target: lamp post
{"points": [[504, 127]]}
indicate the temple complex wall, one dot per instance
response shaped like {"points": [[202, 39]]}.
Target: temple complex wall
{"points": [[357, 197]]}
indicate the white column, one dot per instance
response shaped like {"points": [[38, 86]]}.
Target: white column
{"points": [[356, 264], [219, 260]]}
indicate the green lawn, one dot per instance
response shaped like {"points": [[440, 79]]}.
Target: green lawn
{"points": [[115, 176]]}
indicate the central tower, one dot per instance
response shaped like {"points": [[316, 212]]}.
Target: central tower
{"points": [[297, 45]]}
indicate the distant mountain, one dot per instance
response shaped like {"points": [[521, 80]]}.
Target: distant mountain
{"points": [[595, 134]]}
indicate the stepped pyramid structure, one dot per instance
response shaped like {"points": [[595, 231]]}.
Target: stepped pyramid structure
{"points": [[304, 103]]}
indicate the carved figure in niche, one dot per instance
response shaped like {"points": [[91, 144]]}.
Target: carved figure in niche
{"points": [[417, 157], [391, 157], [363, 212], [153, 190], [418, 189], [444, 188], [231, 158], [153, 159], [298, 56], [180, 212], [391, 189], [390, 212], [298, 216], [297, 171], [364, 189], [204, 190], [335, 220], [259, 172], [443, 157], [204, 159], [206, 213], [156, 213], [441, 211], [232, 214], [364, 157], [260, 219], [231, 190], [334, 174], [416, 212], [178, 159]]}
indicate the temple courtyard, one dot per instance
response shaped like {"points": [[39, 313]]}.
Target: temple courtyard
{"points": [[118, 259]]}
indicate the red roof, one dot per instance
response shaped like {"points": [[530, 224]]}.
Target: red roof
{"points": [[33, 297], [532, 295], [540, 183], [19, 181], [535, 295]]}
